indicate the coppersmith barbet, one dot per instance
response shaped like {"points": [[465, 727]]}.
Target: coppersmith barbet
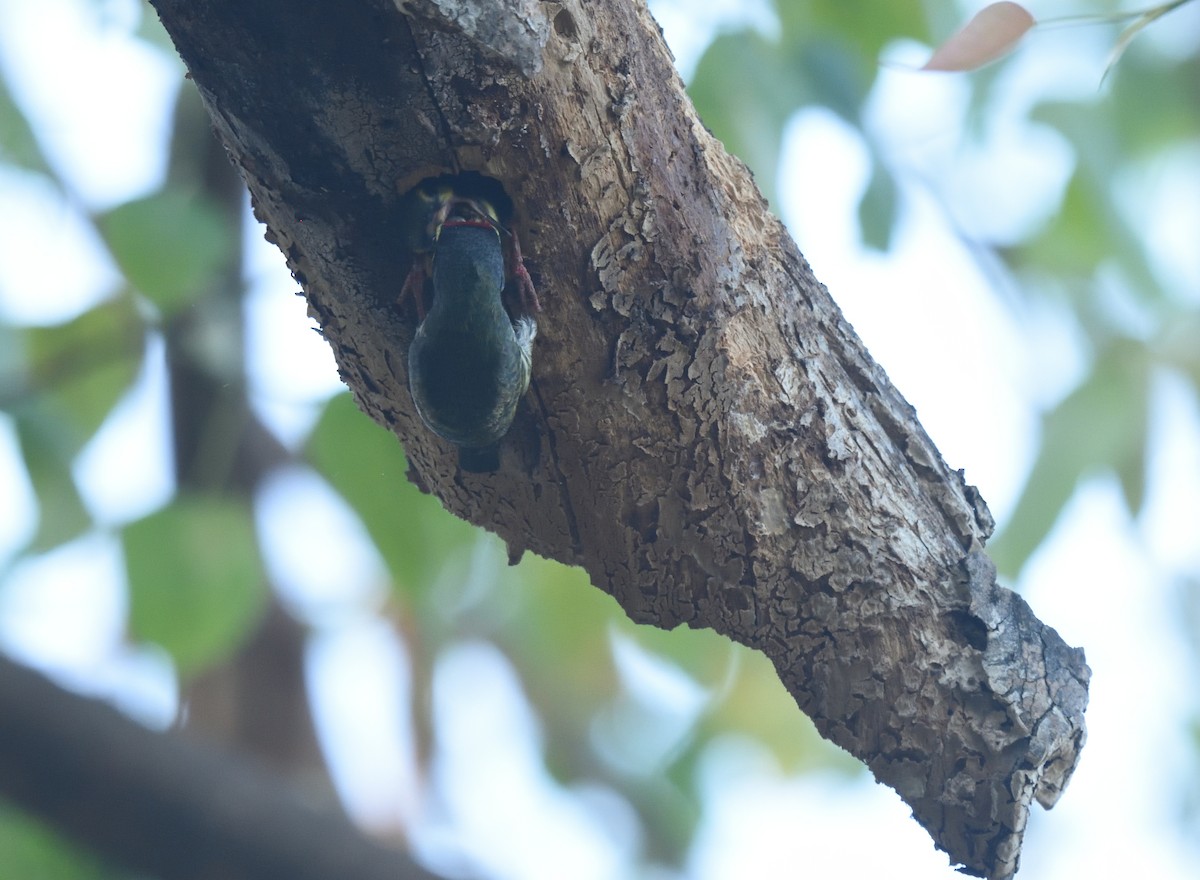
{"points": [[469, 363]]}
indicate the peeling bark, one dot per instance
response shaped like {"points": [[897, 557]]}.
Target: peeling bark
{"points": [[705, 434]]}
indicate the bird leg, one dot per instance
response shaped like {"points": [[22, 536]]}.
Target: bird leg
{"points": [[414, 286], [516, 271]]}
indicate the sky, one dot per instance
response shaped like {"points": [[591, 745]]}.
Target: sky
{"points": [[1102, 580]]}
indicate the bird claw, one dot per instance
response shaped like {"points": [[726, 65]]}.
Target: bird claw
{"points": [[440, 204], [526, 295], [414, 286]]}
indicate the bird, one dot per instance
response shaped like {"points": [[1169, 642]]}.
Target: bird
{"points": [[470, 361]]}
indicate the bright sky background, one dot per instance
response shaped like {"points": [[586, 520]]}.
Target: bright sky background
{"points": [[99, 97]]}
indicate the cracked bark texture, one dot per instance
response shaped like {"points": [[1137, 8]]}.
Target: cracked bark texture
{"points": [[704, 433]]}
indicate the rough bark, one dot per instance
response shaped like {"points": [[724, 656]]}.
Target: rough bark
{"points": [[704, 434]]}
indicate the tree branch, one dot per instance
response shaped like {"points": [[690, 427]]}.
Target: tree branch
{"points": [[705, 434], [158, 803]]}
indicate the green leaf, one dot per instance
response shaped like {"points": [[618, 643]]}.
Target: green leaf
{"points": [[67, 381], [17, 142], [877, 209], [757, 704], [557, 630], [1149, 109], [366, 465], [1177, 346], [84, 366], [745, 92], [558, 635], [196, 585], [868, 30], [1091, 230], [748, 697], [47, 454], [170, 245], [1100, 426], [747, 88], [1077, 239], [835, 75], [151, 31], [559, 616], [31, 849]]}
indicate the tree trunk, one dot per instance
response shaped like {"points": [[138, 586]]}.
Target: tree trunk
{"points": [[256, 700], [165, 806], [704, 432]]}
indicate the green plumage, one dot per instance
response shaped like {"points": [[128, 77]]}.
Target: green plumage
{"points": [[469, 363]]}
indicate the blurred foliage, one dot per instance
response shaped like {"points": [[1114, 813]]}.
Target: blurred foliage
{"points": [[169, 245], [1095, 256], [748, 86], [452, 582], [409, 529], [195, 578], [69, 379], [28, 849], [18, 146]]}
